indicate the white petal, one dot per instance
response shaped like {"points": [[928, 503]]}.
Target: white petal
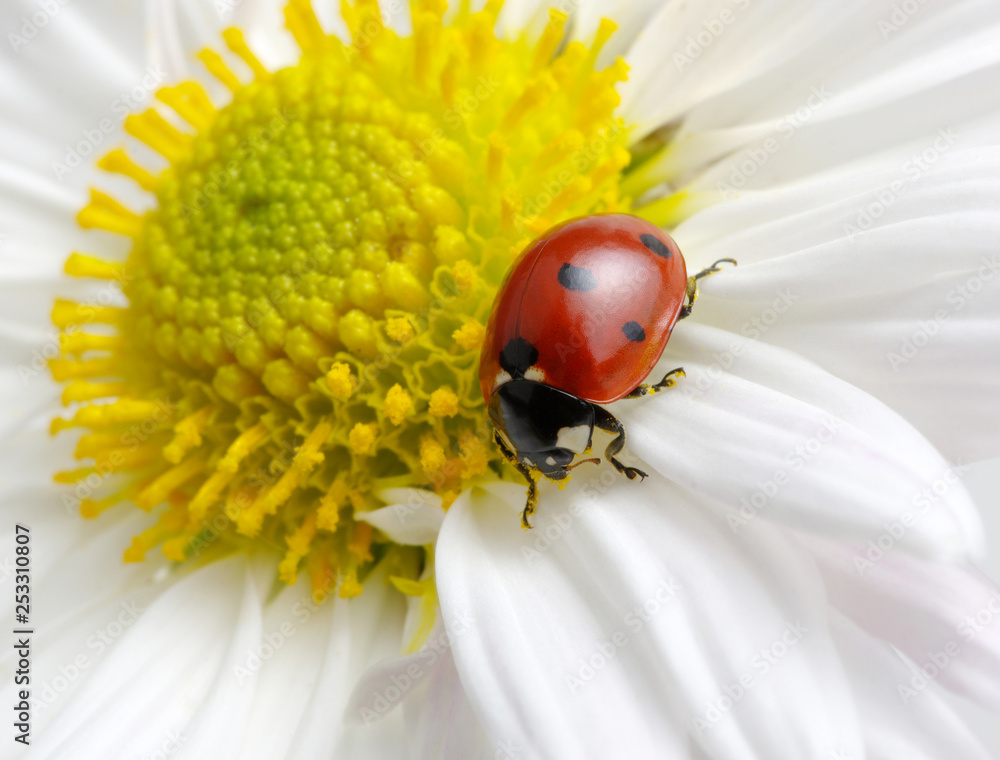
{"points": [[144, 695], [895, 724], [825, 87], [629, 16], [388, 682], [619, 621], [439, 718], [413, 517], [66, 71], [440, 721], [225, 711], [362, 631], [887, 278], [261, 21], [84, 597], [768, 434], [942, 616], [522, 18], [760, 36], [302, 669]]}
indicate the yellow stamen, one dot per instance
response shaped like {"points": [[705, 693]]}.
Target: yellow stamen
{"points": [[158, 133], [494, 164], [121, 411], [242, 447], [238, 45], [470, 335], [550, 39], [118, 161], [399, 329], [166, 483], [218, 69], [78, 343], [362, 437], [444, 403], [71, 314], [298, 547], [536, 94], [304, 26], [398, 404], [190, 102], [306, 458], [208, 494], [64, 369], [170, 522], [188, 434], [432, 456], [80, 265], [465, 276], [82, 390], [104, 212], [340, 381]]}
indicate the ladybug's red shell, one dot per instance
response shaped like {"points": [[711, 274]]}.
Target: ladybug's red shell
{"points": [[587, 309]]}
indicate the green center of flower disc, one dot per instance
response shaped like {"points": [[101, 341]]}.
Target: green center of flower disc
{"points": [[306, 298]]}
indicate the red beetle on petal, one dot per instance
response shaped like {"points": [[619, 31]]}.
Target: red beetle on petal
{"points": [[580, 321]]}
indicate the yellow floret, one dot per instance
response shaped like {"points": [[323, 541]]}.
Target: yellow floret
{"points": [[432, 456], [399, 329], [398, 404], [362, 437], [470, 335], [340, 381], [444, 403]]}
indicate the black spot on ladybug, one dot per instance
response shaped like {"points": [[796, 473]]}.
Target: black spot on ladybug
{"points": [[576, 278], [634, 332], [517, 356], [656, 245]]}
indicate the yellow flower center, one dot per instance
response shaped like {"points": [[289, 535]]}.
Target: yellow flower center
{"points": [[306, 298]]}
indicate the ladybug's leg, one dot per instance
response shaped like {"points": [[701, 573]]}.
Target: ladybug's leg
{"points": [[529, 506], [605, 420], [692, 285], [668, 381]]}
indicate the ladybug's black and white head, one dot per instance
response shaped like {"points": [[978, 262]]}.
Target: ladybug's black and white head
{"points": [[544, 428]]}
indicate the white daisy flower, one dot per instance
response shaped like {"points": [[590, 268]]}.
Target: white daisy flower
{"points": [[270, 341]]}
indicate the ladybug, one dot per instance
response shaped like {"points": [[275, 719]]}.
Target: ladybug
{"points": [[580, 321]]}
